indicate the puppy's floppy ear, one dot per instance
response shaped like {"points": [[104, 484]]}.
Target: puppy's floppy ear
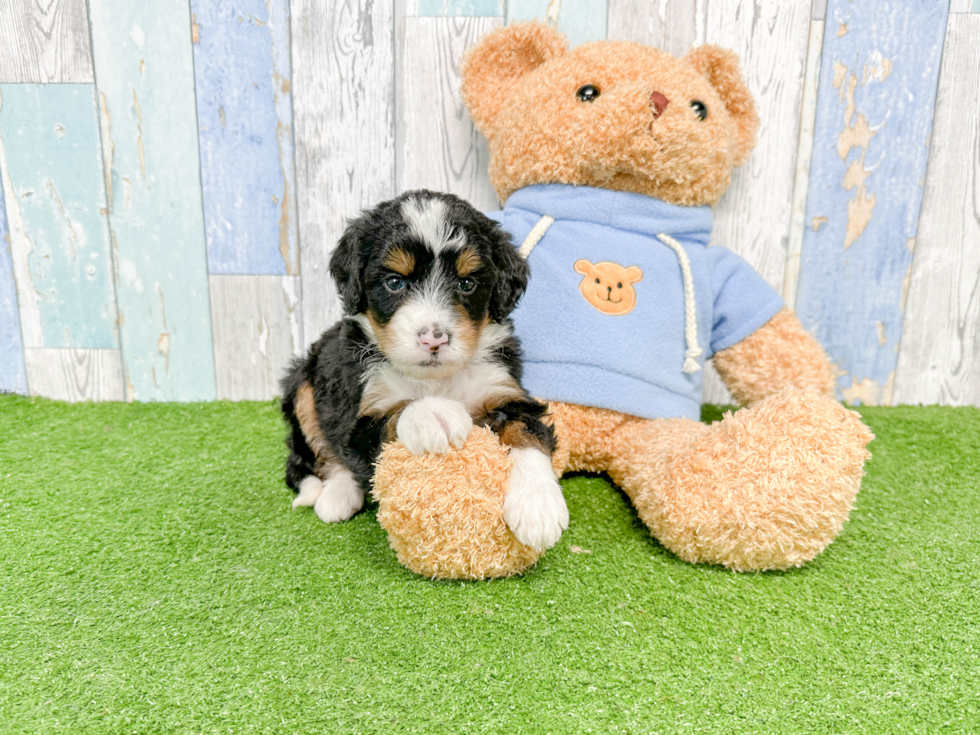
{"points": [[512, 274], [492, 67], [346, 267], [722, 69]]}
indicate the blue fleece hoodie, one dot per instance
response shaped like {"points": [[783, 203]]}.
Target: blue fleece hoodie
{"points": [[632, 362]]}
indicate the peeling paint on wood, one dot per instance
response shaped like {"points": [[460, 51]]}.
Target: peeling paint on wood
{"points": [[144, 68], [60, 242], [874, 119], [13, 376], [579, 20], [245, 120], [439, 148], [457, 8]]}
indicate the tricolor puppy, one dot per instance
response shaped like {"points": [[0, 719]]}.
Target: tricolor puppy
{"points": [[423, 353]]}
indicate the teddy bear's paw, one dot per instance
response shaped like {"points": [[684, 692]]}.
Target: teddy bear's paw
{"points": [[341, 498], [309, 490], [534, 508], [434, 424]]}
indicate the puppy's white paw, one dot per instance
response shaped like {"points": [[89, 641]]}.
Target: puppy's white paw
{"points": [[310, 488], [433, 425], [534, 508], [341, 498]]}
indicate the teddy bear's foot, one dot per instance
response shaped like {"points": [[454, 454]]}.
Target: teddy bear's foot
{"points": [[534, 508], [768, 487]]}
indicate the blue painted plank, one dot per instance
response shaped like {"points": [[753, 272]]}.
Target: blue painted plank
{"points": [[13, 377], [145, 76], [242, 70], [579, 20], [878, 79], [50, 135], [459, 8]]}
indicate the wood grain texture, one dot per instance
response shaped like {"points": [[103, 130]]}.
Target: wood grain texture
{"points": [[75, 375], [242, 74], [52, 172], [939, 359], [144, 68], [438, 147], [44, 41], [753, 217], [804, 151], [579, 20], [343, 106], [13, 375], [670, 25], [257, 330], [877, 89]]}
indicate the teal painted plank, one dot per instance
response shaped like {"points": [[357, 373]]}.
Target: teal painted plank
{"points": [[579, 20], [975, 8], [13, 377], [242, 70], [50, 135], [459, 8], [878, 79], [145, 77]]}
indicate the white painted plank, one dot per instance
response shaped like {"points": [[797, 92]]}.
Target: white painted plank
{"points": [[670, 25], [959, 6], [44, 41], [75, 375], [753, 217], [343, 111], [804, 151], [939, 353], [438, 147], [770, 38], [257, 330]]}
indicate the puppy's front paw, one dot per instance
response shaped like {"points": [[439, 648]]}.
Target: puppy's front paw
{"points": [[534, 508], [309, 490], [433, 425], [340, 499]]}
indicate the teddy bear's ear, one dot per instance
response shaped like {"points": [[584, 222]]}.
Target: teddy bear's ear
{"points": [[722, 69], [492, 67]]}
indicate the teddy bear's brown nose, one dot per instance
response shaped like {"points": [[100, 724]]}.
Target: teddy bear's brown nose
{"points": [[658, 104]]}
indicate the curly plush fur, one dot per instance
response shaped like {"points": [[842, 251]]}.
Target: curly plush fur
{"points": [[766, 488]]}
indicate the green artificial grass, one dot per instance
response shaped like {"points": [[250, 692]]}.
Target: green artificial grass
{"points": [[153, 579]]}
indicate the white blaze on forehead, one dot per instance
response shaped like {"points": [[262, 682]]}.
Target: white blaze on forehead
{"points": [[427, 221]]}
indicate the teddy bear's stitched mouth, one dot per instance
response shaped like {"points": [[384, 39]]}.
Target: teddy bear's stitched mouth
{"points": [[611, 301]]}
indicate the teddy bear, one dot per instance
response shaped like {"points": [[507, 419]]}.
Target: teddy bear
{"points": [[607, 159]]}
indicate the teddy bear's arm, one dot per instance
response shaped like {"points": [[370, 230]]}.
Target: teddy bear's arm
{"points": [[778, 355]]}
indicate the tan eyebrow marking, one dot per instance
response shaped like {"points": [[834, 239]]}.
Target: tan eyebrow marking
{"points": [[400, 261], [467, 262]]}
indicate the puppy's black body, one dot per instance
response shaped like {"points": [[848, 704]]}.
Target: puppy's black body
{"points": [[426, 283]]}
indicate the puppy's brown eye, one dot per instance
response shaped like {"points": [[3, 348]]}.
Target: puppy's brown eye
{"points": [[587, 93], [466, 285], [700, 109], [394, 283]]}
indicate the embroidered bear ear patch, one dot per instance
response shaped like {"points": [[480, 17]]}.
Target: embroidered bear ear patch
{"points": [[609, 286]]}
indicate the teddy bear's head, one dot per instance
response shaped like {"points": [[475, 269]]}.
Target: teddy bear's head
{"points": [[609, 286], [610, 114]]}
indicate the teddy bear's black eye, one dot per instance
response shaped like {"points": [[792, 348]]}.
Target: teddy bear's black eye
{"points": [[587, 93], [619, 285], [597, 280], [700, 109]]}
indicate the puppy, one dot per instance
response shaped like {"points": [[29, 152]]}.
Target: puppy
{"points": [[425, 351]]}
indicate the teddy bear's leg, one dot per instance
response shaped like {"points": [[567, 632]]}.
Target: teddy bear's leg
{"points": [[768, 487]]}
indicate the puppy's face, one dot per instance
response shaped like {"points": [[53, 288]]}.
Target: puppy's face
{"points": [[427, 273]]}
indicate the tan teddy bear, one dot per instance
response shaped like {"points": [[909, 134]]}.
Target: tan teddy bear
{"points": [[606, 155]]}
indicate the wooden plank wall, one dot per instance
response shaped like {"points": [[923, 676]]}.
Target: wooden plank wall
{"points": [[175, 175]]}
